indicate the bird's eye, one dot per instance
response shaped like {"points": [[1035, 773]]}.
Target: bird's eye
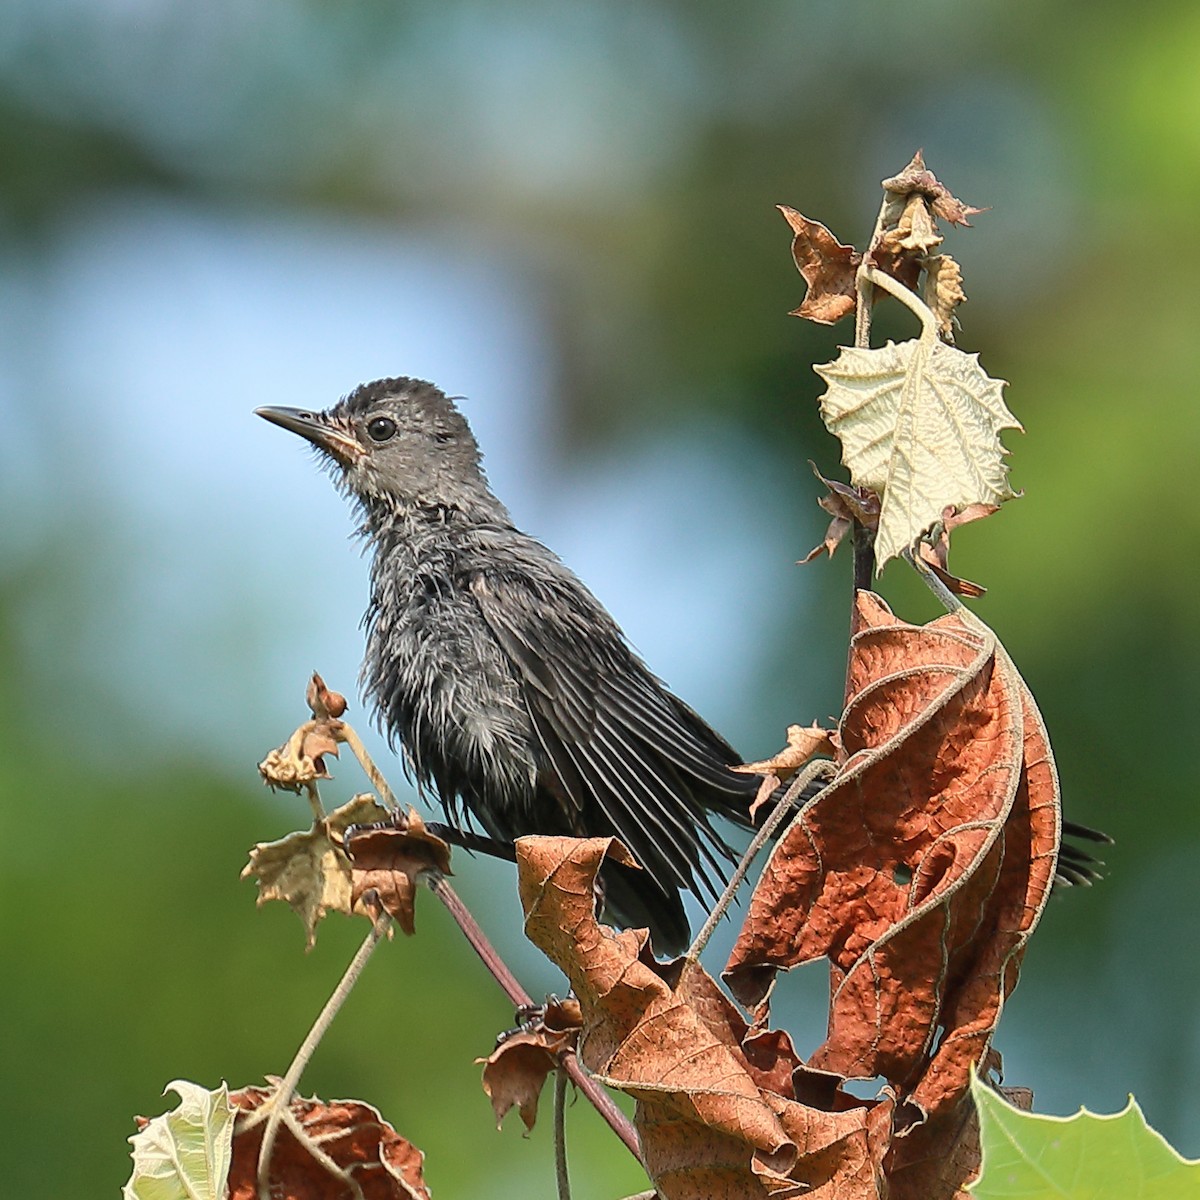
{"points": [[379, 429]]}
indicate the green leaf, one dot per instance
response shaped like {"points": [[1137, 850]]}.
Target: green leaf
{"points": [[1027, 1156], [184, 1154]]}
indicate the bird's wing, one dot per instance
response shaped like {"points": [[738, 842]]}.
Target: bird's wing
{"points": [[617, 741]]}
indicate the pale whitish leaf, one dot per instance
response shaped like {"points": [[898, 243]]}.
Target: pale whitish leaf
{"points": [[184, 1154], [919, 424]]}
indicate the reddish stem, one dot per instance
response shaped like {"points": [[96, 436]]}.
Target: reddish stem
{"points": [[618, 1122]]}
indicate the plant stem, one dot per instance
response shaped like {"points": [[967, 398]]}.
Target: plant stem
{"points": [[277, 1105], [617, 1121], [908, 298], [478, 940], [560, 1135], [802, 780], [949, 600], [372, 772]]}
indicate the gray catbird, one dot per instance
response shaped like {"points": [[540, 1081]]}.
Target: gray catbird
{"points": [[509, 687]]}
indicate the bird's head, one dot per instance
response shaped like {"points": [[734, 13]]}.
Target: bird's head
{"points": [[395, 444]]}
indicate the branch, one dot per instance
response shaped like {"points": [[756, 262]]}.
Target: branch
{"points": [[618, 1122], [275, 1109], [772, 823], [560, 1136]]}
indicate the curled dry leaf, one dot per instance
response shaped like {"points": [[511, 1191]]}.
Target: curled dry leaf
{"points": [[916, 177], [708, 1122], [309, 869], [915, 232], [908, 234], [300, 760], [828, 267], [845, 504], [802, 744], [323, 703], [934, 548], [943, 292], [515, 1072], [341, 1150], [923, 868], [940, 1157], [387, 861]]}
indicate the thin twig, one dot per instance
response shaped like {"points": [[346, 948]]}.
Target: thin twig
{"points": [[864, 292], [478, 940], [906, 296], [780, 811], [278, 1103], [862, 538], [372, 772], [314, 799], [560, 1136], [603, 1103]]}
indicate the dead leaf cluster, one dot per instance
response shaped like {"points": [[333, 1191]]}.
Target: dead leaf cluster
{"points": [[919, 422], [904, 246], [919, 874], [340, 1150], [301, 759]]}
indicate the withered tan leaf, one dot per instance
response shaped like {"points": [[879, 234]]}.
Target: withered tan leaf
{"points": [[920, 426], [342, 1148], [826, 266], [309, 869], [802, 743], [944, 292]]}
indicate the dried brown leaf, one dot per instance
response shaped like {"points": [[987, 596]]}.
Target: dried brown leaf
{"points": [[323, 703], [802, 743], [705, 1128], [388, 860], [934, 549], [515, 1072], [845, 504], [924, 850], [936, 1160], [916, 177], [828, 267], [309, 870], [343, 1150]]}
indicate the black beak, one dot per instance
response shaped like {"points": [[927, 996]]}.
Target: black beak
{"points": [[315, 427]]}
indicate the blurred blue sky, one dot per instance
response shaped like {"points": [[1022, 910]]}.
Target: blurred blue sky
{"points": [[210, 544]]}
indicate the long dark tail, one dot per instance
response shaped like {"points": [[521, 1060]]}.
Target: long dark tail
{"points": [[634, 899]]}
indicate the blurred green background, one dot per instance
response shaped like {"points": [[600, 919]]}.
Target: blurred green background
{"points": [[565, 214]]}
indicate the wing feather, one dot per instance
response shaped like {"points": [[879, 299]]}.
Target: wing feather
{"points": [[617, 741]]}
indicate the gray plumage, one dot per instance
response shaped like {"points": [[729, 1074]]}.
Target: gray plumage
{"points": [[512, 691]]}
